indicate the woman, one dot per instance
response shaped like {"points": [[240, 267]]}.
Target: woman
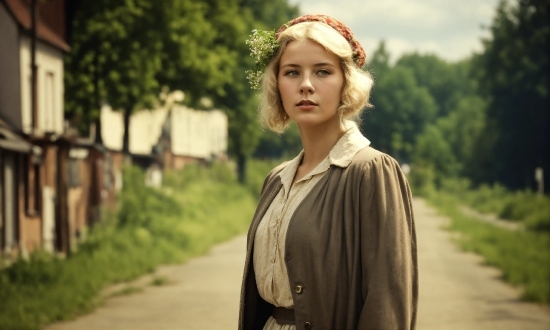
{"points": [[332, 243]]}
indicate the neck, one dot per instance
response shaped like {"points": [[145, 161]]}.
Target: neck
{"points": [[318, 141]]}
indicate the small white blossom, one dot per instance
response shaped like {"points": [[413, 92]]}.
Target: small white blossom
{"points": [[262, 47]]}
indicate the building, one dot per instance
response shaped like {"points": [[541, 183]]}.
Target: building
{"points": [[45, 195], [166, 138]]}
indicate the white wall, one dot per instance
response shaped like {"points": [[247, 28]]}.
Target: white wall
{"points": [[145, 129], [112, 128], [50, 87], [196, 133], [218, 132]]}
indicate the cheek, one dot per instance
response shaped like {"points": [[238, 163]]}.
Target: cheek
{"points": [[284, 91]]}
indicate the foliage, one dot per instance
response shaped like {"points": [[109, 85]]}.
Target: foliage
{"points": [[447, 83], [278, 146], [513, 72], [522, 256], [114, 58], [255, 177], [197, 208], [402, 109], [123, 53], [422, 179], [433, 150], [449, 145], [526, 207], [239, 100], [262, 48]]}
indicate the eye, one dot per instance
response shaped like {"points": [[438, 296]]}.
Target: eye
{"points": [[292, 73], [323, 72]]}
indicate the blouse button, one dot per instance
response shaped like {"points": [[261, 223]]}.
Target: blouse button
{"points": [[307, 325], [299, 289]]}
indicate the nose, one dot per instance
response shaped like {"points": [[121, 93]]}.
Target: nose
{"points": [[306, 86]]}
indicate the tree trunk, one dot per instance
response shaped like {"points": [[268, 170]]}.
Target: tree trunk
{"points": [[62, 210], [241, 168], [126, 136], [98, 138]]}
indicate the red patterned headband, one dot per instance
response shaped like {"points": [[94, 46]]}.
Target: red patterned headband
{"points": [[358, 56]]}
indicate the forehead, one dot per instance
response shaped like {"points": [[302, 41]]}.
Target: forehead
{"points": [[306, 51]]}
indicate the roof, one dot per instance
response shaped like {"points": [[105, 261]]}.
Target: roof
{"points": [[11, 141], [22, 15]]}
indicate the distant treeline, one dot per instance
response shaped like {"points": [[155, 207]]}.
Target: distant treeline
{"points": [[484, 118]]}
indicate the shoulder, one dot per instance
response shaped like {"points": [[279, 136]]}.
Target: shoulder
{"points": [[378, 173], [372, 169], [368, 158]]}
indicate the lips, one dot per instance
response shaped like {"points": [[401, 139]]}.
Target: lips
{"points": [[306, 103]]}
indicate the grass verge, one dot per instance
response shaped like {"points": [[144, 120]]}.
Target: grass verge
{"points": [[196, 208], [522, 255]]}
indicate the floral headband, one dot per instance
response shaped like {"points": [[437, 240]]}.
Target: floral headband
{"points": [[264, 44]]}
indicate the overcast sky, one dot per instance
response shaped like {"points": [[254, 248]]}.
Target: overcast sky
{"points": [[450, 29]]}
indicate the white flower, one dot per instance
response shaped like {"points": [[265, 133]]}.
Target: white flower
{"points": [[263, 46]]}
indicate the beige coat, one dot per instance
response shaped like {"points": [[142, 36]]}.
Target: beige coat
{"points": [[350, 250]]}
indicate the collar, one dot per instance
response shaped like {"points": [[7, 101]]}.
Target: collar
{"points": [[340, 155]]}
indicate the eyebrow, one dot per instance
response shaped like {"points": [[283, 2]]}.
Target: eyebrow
{"points": [[292, 65]]}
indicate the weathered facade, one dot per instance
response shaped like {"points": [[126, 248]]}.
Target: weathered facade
{"points": [[53, 183], [167, 138], [43, 204]]}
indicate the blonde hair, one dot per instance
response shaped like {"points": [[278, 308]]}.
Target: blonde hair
{"points": [[357, 83]]}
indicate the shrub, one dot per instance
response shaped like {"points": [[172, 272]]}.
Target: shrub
{"points": [[197, 208], [422, 180]]}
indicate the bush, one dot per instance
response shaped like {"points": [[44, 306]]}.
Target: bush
{"points": [[257, 172], [198, 208], [525, 206], [422, 180]]}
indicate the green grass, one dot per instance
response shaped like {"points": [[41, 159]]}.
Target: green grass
{"points": [[127, 291], [160, 281], [523, 255], [196, 208], [524, 206]]}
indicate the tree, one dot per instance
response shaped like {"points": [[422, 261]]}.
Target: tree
{"points": [[433, 151], [275, 146], [513, 74], [239, 100], [462, 129], [448, 83], [402, 108], [115, 56], [124, 52]]}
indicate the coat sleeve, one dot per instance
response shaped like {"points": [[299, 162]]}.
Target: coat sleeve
{"points": [[388, 248]]}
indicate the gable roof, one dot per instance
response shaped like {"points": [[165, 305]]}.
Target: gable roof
{"points": [[22, 15]]}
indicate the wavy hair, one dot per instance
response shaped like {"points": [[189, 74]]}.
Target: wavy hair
{"points": [[357, 83]]}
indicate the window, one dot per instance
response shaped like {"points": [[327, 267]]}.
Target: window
{"points": [[49, 104], [32, 183]]}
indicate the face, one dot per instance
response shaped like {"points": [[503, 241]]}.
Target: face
{"points": [[310, 83]]}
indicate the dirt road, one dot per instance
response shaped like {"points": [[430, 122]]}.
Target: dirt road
{"points": [[456, 292]]}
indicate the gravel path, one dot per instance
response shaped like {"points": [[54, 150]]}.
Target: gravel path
{"points": [[456, 292]]}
